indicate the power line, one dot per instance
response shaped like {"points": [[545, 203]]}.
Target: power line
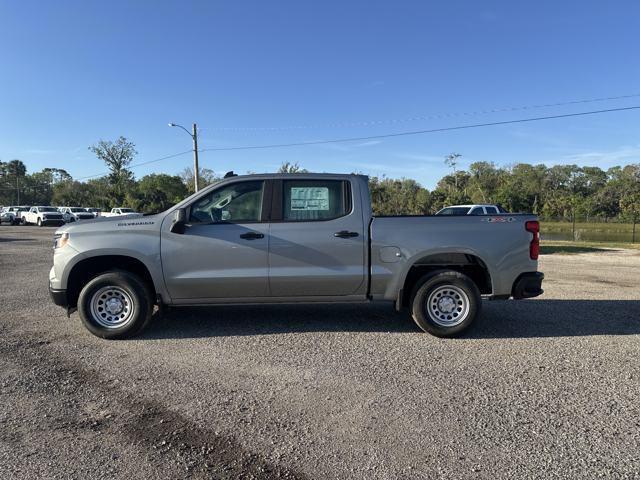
{"points": [[375, 137], [419, 132], [426, 117]]}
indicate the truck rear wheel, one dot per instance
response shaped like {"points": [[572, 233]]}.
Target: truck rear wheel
{"points": [[445, 303], [115, 305]]}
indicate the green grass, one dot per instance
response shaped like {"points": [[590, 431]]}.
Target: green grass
{"points": [[561, 247], [589, 232], [568, 249], [594, 226]]}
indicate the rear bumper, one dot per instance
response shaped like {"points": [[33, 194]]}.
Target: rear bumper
{"points": [[59, 297], [528, 285]]}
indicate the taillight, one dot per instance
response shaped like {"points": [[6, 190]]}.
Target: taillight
{"points": [[533, 226]]}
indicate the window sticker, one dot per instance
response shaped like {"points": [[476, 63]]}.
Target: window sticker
{"points": [[309, 198]]}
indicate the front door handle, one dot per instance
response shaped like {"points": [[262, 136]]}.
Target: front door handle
{"points": [[252, 235], [345, 234]]}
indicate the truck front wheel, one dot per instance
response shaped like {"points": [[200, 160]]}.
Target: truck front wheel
{"points": [[445, 303], [115, 305]]}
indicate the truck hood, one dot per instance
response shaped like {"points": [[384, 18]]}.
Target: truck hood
{"points": [[113, 224]]}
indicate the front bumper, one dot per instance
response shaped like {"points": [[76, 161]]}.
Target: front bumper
{"points": [[528, 285], [59, 297]]}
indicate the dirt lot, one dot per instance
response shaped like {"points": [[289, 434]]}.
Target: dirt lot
{"points": [[538, 389]]}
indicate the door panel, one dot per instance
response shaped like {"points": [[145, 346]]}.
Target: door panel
{"points": [[213, 261], [223, 250], [306, 258]]}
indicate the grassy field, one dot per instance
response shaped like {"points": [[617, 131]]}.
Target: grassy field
{"points": [[589, 232], [549, 247]]}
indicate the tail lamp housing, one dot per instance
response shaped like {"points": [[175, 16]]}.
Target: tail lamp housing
{"points": [[533, 226]]}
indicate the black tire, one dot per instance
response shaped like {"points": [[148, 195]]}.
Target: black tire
{"points": [[445, 303], [39, 222], [124, 284]]}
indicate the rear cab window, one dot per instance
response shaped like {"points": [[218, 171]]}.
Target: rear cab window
{"points": [[454, 211]]}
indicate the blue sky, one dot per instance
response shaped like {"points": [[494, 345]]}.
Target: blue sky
{"points": [[256, 72]]}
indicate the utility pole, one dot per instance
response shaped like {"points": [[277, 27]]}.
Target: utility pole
{"points": [[196, 169], [194, 136]]}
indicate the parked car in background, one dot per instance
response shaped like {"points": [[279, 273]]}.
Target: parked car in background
{"points": [[22, 210], [291, 238], [73, 214], [6, 216], [476, 209], [119, 211], [41, 216], [11, 215], [95, 211]]}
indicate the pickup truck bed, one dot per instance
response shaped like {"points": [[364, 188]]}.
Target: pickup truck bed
{"points": [[493, 250]]}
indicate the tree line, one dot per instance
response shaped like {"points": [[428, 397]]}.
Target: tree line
{"points": [[555, 192]]}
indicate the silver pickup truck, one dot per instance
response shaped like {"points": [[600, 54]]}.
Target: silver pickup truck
{"points": [[291, 238]]}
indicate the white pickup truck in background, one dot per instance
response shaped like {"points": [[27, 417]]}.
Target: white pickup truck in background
{"points": [[42, 216], [11, 215], [116, 212], [73, 214]]}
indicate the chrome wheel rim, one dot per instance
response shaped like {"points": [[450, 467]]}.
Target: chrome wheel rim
{"points": [[448, 305], [112, 307]]}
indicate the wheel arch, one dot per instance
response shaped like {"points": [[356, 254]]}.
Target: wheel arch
{"points": [[90, 267], [469, 264]]}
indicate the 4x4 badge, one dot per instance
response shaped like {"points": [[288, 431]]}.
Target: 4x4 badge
{"points": [[498, 219]]}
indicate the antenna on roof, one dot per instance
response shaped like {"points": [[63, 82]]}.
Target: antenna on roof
{"points": [[230, 174]]}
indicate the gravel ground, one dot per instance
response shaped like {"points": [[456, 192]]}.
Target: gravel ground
{"points": [[544, 388]]}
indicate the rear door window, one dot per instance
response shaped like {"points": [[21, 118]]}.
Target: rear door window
{"points": [[492, 210], [314, 200]]}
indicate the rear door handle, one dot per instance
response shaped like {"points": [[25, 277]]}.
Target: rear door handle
{"points": [[345, 234], [252, 235]]}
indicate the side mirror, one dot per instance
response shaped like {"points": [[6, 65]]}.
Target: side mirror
{"points": [[179, 221]]}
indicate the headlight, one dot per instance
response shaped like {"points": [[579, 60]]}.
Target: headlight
{"points": [[60, 240]]}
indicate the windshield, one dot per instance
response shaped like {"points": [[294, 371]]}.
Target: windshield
{"points": [[47, 209], [454, 211]]}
